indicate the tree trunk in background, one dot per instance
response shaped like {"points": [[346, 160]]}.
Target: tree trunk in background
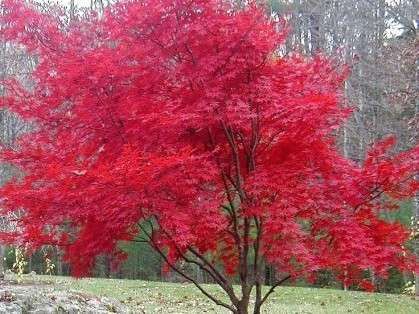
{"points": [[59, 257], [2, 256], [72, 10], [29, 263], [98, 6]]}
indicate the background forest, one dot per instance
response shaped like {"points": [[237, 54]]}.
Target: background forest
{"points": [[377, 39]]}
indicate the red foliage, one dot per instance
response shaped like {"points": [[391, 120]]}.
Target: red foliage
{"points": [[183, 112], [367, 285]]}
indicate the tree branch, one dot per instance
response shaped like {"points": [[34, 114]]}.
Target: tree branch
{"points": [[183, 274], [272, 289]]}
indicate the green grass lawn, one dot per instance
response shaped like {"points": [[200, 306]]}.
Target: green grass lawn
{"points": [[162, 297]]}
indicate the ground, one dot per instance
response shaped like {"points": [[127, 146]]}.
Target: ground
{"points": [[162, 297], [39, 298]]}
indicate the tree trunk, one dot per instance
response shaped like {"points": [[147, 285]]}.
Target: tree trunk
{"points": [[199, 275], [72, 10], [243, 307], [258, 304], [30, 263], [59, 261], [2, 252]]}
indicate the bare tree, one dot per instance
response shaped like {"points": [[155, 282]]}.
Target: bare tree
{"points": [[13, 61]]}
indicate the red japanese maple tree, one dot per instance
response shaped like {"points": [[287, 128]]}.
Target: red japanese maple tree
{"points": [[176, 122]]}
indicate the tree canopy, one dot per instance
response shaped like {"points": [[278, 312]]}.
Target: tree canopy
{"points": [[184, 114]]}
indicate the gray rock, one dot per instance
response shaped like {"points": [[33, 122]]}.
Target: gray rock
{"points": [[8, 274], [44, 309], [38, 299], [10, 309]]}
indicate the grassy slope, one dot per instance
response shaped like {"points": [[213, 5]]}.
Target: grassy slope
{"points": [[159, 297]]}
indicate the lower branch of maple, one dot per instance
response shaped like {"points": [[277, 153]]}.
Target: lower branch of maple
{"points": [[238, 305], [172, 266], [203, 264], [272, 289]]}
